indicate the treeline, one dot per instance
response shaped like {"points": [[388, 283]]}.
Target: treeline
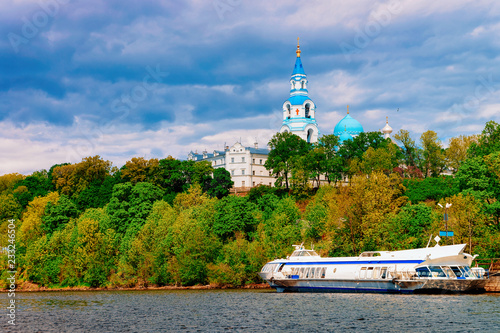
{"points": [[171, 222]]}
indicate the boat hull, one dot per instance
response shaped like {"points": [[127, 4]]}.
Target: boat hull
{"points": [[382, 286]]}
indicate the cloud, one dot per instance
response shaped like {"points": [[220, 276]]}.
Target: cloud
{"points": [[86, 72]]}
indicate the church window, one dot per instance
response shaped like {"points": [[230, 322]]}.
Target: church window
{"points": [[309, 135], [242, 171], [303, 84], [232, 172], [253, 184], [260, 161], [243, 159], [243, 184], [253, 161], [232, 159], [308, 108], [253, 172]]}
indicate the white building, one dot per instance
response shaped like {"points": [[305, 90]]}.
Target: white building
{"points": [[245, 164]]}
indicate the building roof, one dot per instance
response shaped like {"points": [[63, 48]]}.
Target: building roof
{"points": [[298, 69], [298, 99], [349, 125]]}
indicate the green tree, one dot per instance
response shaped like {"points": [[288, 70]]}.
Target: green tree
{"points": [[58, 214], [489, 140], [234, 214], [220, 184], [433, 161], [30, 187], [409, 228], [408, 146], [332, 167], [285, 147]]}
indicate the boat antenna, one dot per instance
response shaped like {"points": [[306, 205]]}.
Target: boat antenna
{"points": [[429, 240]]}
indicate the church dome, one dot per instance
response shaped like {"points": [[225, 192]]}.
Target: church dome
{"points": [[387, 129], [348, 124], [344, 136]]}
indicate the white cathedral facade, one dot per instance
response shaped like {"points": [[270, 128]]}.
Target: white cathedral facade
{"points": [[246, 164]]}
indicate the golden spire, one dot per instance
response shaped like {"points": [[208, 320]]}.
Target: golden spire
{"points": [[348, 109], [298, 48]]}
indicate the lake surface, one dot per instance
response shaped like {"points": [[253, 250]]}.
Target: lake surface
{"points": [[249, 311]]}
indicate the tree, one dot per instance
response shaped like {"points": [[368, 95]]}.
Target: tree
{"points": [[72, 179], [284, 148], [58, 214], [381, 159], [489, 140], [234, 214], [8, 181], [220, 184], [31, 227], [30, 187], [138, 169], [332, 167], [433, 157], [467, 220], [408, 146], [456, 153], [408, 228], [351, 151]]}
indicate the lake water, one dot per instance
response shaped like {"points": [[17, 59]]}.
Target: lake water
{"points": [[249, 311]]}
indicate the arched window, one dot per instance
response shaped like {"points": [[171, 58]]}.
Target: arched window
{"points": [[310, 133], [289, 110], [308, 107], [303, 84]]}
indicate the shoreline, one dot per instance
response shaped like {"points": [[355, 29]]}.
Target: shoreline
{"points": [[36, 288]]}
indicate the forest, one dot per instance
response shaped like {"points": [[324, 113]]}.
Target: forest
{"points": [[165, 221]]}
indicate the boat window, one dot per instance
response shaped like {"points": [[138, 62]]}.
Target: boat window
{"points": [[423, 272], [436, 271], [301, 273], [313, 270], [323, 272], [467, 271], [281, 267], [306, 273], [376, 273], [456, 270], [369, 273], [383, 272], [362, 273], [448, 271], [269, 267]]}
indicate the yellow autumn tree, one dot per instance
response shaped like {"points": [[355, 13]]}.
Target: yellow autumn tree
{"points": [[139, 169], [31, 225], [457, 150], [8, 181]]}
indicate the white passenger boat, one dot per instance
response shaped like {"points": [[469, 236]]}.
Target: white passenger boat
{"points": [[433, 269]]}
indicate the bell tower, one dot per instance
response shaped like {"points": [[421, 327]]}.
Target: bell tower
{"points": [[299, 110]]}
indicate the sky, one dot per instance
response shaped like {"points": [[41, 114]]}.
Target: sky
{"points": [[123, 79]]}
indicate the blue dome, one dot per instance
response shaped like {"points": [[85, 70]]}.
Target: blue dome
{"points": [[344, 136], [348, 124]]}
